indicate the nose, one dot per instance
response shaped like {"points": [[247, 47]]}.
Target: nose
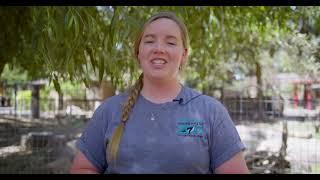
{"points": [[159, 48]]}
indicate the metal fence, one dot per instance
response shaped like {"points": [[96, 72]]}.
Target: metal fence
{"points": [[280, 137], [276, 140], [43, 145], [49, 107]]}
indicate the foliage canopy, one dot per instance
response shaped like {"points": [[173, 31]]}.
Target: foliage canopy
{"points": [[95, 43]]}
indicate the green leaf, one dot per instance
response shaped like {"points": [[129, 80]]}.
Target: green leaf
{"points": [[92, 59], [101, 69], [112, 29], [76, 26], [223, 31], [71, 21]]}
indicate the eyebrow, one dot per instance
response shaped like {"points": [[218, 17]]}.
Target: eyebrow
{"points": [[148, 35], [171, 37], [152, 36]]}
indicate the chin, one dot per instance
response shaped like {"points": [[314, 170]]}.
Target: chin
{"points": [[158, 75]]}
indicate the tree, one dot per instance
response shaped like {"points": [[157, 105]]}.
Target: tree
{"points": [[86, 43]]}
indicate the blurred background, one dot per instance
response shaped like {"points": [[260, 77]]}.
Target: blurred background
{"points": [[57, 64]]}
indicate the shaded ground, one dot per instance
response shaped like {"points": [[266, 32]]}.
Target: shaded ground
{"points": [[263, 141], [303, 145], [42, 156]]}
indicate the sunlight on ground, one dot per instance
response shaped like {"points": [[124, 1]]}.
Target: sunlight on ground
{"points": [[5, 151]]}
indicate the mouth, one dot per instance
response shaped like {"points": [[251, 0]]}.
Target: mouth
{"points": [[158, 61]]}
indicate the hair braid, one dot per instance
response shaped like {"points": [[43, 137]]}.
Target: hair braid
{"points": [[113, 146]]}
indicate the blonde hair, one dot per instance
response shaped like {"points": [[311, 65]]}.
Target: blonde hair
{"points": [[113, 146]]}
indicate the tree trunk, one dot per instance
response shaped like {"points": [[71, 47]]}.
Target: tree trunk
{"points": [[2, 100], [60, 102], [59, 115], [222, 94], [106, 89], [2, 67], [15, 99], [35, 101], [283, 149], [259, 90], [259, 79]]}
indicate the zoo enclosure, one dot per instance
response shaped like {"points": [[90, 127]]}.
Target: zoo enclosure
{"points": [[46, 145]]}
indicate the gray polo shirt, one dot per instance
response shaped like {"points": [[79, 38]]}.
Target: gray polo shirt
{"points": [[194, 135]]}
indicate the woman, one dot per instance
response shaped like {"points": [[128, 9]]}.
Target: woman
{"points": [[160, 126]]}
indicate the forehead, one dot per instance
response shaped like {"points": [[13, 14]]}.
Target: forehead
{"points": [[163, 26]]}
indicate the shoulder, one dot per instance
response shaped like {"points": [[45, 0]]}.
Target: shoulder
{"points": [[213, 103], [209, 106], [198, 98], [119, 98]]}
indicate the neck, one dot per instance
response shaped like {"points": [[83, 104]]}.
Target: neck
{"points": [[160, 91]]}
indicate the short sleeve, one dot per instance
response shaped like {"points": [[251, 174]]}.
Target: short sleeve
{"points": [[91, 142], [226, 141]]}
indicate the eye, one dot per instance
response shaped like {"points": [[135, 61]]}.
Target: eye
{"points": [[148, 42], [171, 43]]}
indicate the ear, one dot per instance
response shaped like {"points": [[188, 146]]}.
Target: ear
{"points": [[184, 56]]}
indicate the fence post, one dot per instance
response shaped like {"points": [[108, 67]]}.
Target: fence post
{"points": [[283, 149], [15, 99], [35, 101]]}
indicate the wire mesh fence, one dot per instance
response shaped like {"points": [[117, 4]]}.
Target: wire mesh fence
{"points": [[280, 137], [42, 146], [276, 141], [45, 144]]}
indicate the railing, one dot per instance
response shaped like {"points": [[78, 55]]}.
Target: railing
{"points": [[49, 107], [254, 109]]}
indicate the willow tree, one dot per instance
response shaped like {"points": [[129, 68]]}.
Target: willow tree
{"points": [[88, 43], [228, 36]]}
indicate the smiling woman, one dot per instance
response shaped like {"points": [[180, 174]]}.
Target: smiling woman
{"points": [[161, 51], [160, 125]]}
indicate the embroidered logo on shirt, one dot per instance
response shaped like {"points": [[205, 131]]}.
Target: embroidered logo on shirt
{"points": [[190, 127]]}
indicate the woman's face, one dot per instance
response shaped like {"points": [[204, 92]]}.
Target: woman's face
{"points": [[161, 50]]}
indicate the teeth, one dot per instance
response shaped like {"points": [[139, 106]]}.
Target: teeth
{"points": [[158, 61]]}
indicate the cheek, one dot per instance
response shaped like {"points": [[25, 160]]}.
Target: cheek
{"points": [[177, 55], [142, 52], [142, 56]]}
